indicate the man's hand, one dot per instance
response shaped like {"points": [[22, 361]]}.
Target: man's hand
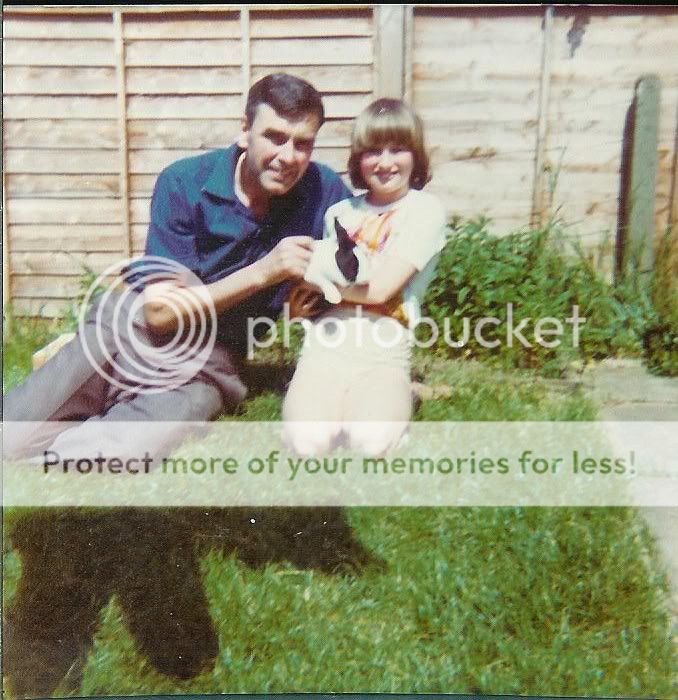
{"points": [[288, 260], [166, 303], [305, 300]]}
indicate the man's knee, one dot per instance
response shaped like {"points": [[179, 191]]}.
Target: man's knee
{"points": [[207, 401]]}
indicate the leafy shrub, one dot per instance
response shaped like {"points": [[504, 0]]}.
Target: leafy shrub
{"points": [[530, 275], [660, 337]]}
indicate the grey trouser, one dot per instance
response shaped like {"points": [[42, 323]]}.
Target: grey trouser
{"points": [[67, 388]]}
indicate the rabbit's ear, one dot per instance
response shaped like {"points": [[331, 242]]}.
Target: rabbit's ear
{"points": [[343, 239], [347, 262]]}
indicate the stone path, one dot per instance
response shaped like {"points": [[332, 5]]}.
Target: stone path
{"points": [[626, 391]]}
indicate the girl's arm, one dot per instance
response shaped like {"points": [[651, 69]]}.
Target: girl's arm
{"points": [[386, 280]]}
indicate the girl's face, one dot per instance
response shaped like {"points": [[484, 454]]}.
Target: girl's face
{"points": [[386, 171]]}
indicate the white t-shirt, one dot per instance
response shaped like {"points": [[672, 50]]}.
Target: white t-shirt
{"points": [[411, 229]]}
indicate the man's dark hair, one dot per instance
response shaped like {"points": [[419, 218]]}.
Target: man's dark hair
{"points": [[289, 96]]}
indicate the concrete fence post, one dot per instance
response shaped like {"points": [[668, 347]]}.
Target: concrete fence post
{"points": [[638, 230]]}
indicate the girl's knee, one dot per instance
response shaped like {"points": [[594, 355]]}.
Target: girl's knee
{"points": [[375, 438], [311, 438]]}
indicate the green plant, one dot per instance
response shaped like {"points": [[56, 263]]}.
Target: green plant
{"points": [[660, 337], [528, 275]]}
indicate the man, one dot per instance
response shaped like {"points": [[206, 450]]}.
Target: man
{"points": [[242, 220]]}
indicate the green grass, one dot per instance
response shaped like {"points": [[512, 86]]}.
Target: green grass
{"points": [[476, 600], [540, 601], [21, 338]]}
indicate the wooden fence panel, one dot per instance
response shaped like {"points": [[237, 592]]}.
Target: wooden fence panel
{"points": [[597, 59], [475, 82], [184, 76], [60, 153], [168, 83]]}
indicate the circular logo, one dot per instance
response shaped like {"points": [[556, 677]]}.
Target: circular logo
{"points": [[131, 357]]}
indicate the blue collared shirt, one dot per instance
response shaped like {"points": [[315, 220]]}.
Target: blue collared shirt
{"points": [[198, 221]]}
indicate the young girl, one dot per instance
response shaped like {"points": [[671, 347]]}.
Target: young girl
{"points": [[353, 375]]}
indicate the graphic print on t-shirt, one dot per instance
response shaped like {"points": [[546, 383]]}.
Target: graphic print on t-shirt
{"points": [[371, 235], [373, 232]]}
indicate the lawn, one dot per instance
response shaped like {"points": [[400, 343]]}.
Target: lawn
{"points": [[536, 601]]}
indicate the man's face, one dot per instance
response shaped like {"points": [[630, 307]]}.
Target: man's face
{"points": [[278, 150]]}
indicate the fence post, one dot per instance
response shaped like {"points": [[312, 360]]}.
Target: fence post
{"points": [[246, 67], [390, 51], [637, 251], [539, 205], [6, 272], [123, 146]]}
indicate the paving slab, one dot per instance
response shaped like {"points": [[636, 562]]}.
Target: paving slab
{"points": [[626, 391], [629, 381]]}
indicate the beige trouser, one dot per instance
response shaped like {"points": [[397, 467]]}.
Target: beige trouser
{"points": [[353, 382]]}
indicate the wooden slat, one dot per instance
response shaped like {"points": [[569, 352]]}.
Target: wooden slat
{"points": [[162, 9], [62, 134], [140, 210], [214, 133], [54, 161], [41, 286], [464, 32], [55, 27], [336, 158], [57, 52], [432, 106], [184, 80], [171, 107], [44, 308], [341, 51], [63, 211], [204, 52], [48, 80], [152, 162], [467, 73], [609, 74], [36, 263], [73, 185], [457, 139], [227, 107], [181, 133], [347, 22], [343, 106], [470, 176], [58, 107], [75, 237], [217, 25], [350, 78], [141, 185], [459, 150]]}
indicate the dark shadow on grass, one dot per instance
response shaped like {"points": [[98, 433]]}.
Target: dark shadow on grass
{"points": [[263, 377], [73, 561]]}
